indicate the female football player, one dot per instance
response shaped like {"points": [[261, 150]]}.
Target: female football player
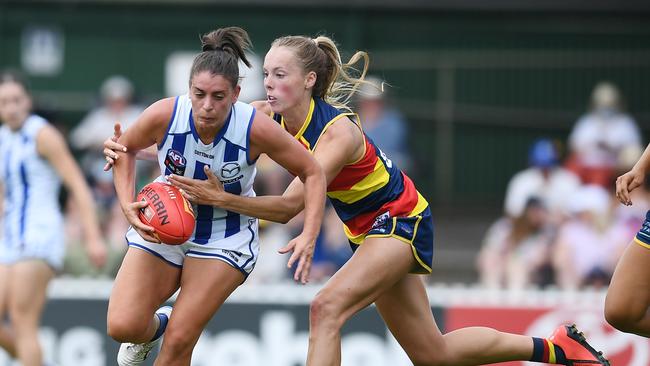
{"points": [[628, 295], [34, 160], [205, 133]]}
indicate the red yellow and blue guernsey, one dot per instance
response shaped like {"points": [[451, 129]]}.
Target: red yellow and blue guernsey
{"points": [[372, 196]]}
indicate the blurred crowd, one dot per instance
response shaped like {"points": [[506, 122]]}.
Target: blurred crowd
{"points": [[562, 225]]}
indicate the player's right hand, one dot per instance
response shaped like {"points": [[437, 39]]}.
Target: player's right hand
{"points": [[111, 146], [131, 212], [302, 247], [626, 183]]}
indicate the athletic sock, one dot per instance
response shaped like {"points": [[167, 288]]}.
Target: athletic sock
{"points": [[162, 325], [545, 351]]}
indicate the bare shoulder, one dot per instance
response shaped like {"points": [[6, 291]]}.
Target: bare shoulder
{"points": [[264, 127], [262, 106], [49, 133], [342, 130], [49, 139], [161, 110]]}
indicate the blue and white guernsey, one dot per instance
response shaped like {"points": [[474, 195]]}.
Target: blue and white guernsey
{"points": [[183, 153], [32, 224], [218, 233]]}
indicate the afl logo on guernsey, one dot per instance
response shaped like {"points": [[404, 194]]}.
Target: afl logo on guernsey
{"points": [[175, 162]]}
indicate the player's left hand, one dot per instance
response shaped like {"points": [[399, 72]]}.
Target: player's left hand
{"points": [[199, 191], [628, 182], [111, 146], [303, 251]]}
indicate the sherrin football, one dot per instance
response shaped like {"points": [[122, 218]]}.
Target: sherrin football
{"points": [[168, 212]]}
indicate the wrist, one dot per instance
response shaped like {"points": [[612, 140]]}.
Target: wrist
{"points": [[218, 199], [309, 234]]}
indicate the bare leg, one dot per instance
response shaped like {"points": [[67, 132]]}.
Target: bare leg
{"points": [[405, 309], [142, 284], [375, 267], [378, 272], [27, 295], [628, 296], [6, 334], [205, 285]]}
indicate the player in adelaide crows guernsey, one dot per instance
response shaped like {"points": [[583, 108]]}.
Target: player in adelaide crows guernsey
{"points": [[386, 220], [209, 136]]}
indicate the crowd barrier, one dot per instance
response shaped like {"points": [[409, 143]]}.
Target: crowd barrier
{"points": [[267, 325]]}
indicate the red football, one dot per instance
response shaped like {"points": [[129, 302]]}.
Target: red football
{"points": [[168, 212]]}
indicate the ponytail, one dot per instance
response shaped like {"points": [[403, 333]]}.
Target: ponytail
{"points": [[221, 51], [336, 82]]}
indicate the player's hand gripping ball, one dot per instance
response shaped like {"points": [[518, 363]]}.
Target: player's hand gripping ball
{"points": [[168, 212]]}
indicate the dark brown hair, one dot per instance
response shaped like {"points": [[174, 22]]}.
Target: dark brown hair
{"points": [[221, 51], [13, 76]]}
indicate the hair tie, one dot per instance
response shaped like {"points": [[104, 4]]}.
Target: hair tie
{"points": [[208, 47]]}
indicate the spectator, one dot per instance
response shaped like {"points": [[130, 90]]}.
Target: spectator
{"points": [[383, 123], [88, 137], [600, 135], [116, 94], [589, 243], [515, 252], [544, 179]]}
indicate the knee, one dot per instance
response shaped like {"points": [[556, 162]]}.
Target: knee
{"points": [[429, 360], [324, 308], [430, 357], [23, 319], [623, 313], [124, 328], [179, 342], [620, 317]]}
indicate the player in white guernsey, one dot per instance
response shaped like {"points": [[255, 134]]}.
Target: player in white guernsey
{"points": [[34, 159], [206, 135]]}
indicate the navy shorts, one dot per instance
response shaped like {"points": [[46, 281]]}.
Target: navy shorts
{"points": [[643, 236], [417, 231]]}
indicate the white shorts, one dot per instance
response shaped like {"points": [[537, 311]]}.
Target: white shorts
{"points": [[239, 250], [46, 246]]}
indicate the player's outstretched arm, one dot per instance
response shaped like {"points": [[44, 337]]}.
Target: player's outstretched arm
{"points": [[52, 146], [629, 181]]}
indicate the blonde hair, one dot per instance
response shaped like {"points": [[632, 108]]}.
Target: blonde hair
{"points": [[336, 82]]}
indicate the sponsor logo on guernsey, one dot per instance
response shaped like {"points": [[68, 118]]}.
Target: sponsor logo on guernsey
{"points": [[233, 254], [175, 162], [381, 220], [230, 172], [203, 154]]}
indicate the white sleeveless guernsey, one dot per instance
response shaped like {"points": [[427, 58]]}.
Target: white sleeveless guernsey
{"points": [[32, 224], [218, 233]]}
